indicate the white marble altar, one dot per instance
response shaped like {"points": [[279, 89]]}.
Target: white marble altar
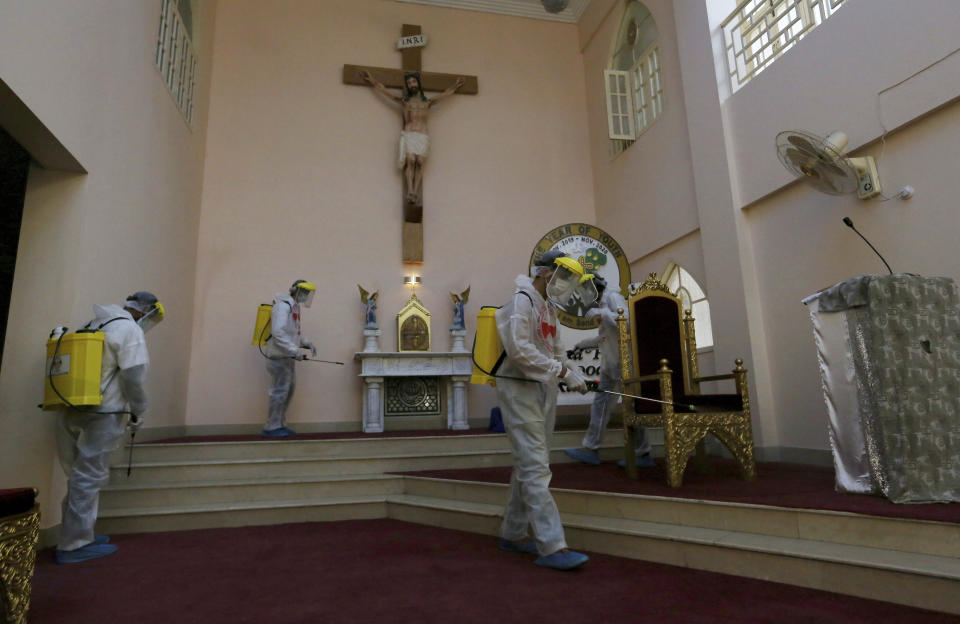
{"points": [[375, 366]]}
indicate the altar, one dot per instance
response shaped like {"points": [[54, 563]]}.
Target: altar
{"points": [[413, 370]]}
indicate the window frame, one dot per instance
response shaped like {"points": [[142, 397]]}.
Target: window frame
{"points": [[644, 83], [617, 100], [176, 59]]}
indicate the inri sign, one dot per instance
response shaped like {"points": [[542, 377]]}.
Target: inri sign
{"points": [[413, 41]]}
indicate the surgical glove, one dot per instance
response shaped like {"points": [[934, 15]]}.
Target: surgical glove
{"points": [[575, 381], [135, 422], [309, 345]]}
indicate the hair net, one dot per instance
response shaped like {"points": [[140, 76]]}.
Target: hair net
{"points": [[546, 262], [141, 301]]}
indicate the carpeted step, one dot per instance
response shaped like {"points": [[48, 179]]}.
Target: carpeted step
{"points": [[235, 514], [166, 495], [263, 448], [927, 581], [210, 470], [903, 534]]}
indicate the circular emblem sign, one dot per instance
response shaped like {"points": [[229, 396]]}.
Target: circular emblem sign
{"points": [[599, 254]]}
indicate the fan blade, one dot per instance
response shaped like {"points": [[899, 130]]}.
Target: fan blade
{"points": [[835, 170], [799, 159], [842, 183], [802, 143]]}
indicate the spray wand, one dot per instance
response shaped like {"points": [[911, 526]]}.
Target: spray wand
{"points": [[324, 361], [130, 458], [642, 398]]}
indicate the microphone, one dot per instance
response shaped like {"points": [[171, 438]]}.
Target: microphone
{"points": [[849, 223]]}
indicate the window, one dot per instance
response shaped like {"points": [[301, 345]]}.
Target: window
{"points": [[682, 284], [757, 32], [632, 81], [175, 57]]}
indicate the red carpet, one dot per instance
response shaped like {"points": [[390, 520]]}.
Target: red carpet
{"points": [[385, 571], [778, 484]]}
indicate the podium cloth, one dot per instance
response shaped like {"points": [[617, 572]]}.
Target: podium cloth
{"points": [[889, 353]]}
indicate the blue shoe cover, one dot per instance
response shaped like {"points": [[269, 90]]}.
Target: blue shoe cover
{"points": [[526, 547], [282, 432], [643, 461], [563, 560], [101, 539], [84, 553], [584, 455]]}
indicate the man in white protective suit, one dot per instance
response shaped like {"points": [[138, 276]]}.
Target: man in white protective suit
{"points": [[283, 348], [527, 390], [86, 437], [607, 341]]}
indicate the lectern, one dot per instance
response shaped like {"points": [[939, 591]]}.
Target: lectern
{"points": [[889, 354]]}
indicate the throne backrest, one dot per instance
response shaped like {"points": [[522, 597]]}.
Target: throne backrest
{"points": [[658, 331]]}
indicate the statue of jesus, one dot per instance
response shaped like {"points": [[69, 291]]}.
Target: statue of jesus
{"points": [[414, 141]]}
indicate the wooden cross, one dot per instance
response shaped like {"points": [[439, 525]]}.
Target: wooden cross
{"points": [[430, 81]]}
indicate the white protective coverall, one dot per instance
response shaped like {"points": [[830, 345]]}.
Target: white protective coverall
{"points": [[86, 440], [607, 341], [528, 332], [282, 347]]}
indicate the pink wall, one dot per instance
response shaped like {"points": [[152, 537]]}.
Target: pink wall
{"points": [[301, 182], [87, 71], [644, 196]]}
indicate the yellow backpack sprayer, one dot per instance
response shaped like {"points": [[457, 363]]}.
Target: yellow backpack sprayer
{"points": [[488, 355], [73, 368]]}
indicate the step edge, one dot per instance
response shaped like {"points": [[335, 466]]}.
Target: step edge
{"points": [[723, 539]]}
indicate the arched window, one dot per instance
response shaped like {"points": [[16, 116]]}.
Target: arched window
{"points": [[682, 284], [632, 77]]}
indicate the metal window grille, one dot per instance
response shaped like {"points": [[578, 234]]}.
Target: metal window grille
{"points": [[176, 60], [759, 31]]}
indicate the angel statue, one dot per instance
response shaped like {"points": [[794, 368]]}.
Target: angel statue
{"points": [[458, 302], [369, 308]]}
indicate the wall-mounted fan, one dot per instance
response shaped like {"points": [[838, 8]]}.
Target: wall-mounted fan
{"points": [[821, 162]]}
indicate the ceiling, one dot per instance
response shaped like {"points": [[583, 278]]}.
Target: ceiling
{"points": [[523, 8]]}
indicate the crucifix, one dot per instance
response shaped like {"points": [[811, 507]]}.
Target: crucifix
{"points": [[414, 141]]}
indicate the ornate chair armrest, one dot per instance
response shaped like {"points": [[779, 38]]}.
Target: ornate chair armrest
{"points": [[715, 377]]}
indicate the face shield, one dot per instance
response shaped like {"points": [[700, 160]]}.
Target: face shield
{"points": [[571, 288], [152, 318], [150, 309], [302, 292]]}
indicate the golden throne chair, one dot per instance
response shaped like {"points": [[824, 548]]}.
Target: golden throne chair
{"points": [[19, 534], [658, 353]]}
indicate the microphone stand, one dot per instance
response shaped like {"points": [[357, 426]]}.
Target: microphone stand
{"points": [[849, 223]]}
